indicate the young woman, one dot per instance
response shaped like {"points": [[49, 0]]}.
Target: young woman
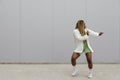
{"points": [[81, 36]]}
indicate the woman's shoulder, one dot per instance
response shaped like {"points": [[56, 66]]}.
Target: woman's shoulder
{"points": [[75, 30], [87, 29]]}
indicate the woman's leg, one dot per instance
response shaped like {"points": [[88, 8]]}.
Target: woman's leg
{"points": [[73, 62], [90, 64], [89, 60], [73, 58]]}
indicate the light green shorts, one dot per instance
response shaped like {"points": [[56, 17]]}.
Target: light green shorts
{"points": [[85, 48]]}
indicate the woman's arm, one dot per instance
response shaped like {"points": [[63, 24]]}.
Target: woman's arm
{"points": [[78, 36], [93, 33]]}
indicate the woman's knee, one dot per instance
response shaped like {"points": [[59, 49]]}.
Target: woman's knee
{"points": [[73, 58]]}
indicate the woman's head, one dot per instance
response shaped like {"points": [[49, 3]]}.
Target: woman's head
{"points": [[80, 25]]}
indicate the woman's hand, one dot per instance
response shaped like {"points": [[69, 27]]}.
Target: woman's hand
{"points": [[87, 33], [100, 33]]}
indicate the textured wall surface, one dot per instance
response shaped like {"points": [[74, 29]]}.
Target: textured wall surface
{"points": [[39, 31]]}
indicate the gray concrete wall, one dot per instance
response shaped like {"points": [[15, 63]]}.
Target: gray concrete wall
{"points": [[41, 30]]}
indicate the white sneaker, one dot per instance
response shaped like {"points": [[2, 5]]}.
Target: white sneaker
{"points": [[90, 75], [74, 72]]}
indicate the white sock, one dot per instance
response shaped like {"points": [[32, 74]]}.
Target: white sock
{"points": [[74, 67], [90, 73], [90, 70], [74, 71]]}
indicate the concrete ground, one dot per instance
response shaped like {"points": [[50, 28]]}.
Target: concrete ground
{"points": [[57, 72]]}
